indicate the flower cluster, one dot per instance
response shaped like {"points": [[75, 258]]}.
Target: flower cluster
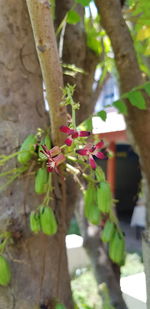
{"points": [[55, 157], [91, 150], [72, 134]]}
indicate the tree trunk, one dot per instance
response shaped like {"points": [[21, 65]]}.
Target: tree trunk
{"points": [[38, 262]]}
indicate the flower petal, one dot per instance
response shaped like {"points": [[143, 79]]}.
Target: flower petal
{"points": [[99, 145], [84, 133], [45, 149], [82, 152], [66, 130], [89, 147], [54, 151], [92, 149], [92, 162], [50, 169], [50, 165], [68, 141], [59, 159], [75, 134], [99, 155]]}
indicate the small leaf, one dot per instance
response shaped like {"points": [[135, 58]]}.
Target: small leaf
{"points": [[136, 98], [94, 43], [73, 17], [147, 50], [144, 33], [102, 115], [88, 124], [121, 106], [83, 2], [147, 88]]}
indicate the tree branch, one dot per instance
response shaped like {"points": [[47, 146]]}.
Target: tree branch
{"points": [[76, 51], [45, 41], [118, 32]]}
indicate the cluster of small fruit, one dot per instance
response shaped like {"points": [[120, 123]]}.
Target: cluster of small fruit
{"points": [[114, 237], [98, 208], [43, 220], [28, 149]]}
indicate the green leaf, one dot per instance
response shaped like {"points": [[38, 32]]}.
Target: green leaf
{"points": [[94, 43], [83, 2], [102, 115], [73, 17], [136, 98], [143, 33], [146, 87], [87, 125], [121, 106]]}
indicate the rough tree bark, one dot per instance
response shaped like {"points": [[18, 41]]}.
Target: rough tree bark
{"points": [[138, 121], [76, 51], [39, 262]]}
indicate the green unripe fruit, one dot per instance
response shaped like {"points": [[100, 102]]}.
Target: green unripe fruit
{"points": [[41, 181], [89, 196], [104, 197], [100, 176], [35, 222], [92, 213], [47, 220], [27, 149], [117, 248], [5, 272], [108, 231]]}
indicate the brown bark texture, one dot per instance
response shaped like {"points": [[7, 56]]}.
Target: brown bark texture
{"points": [[38, 263], [76, 51], [46, 46]]}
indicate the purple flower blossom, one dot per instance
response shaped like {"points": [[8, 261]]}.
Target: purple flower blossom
{"points": [[54, 158], [72, 134], [91, 150]]}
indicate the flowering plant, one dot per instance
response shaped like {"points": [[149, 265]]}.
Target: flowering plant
{"points": [[80, 156]]}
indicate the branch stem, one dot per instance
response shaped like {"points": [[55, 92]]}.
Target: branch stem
{"points": [[45, 41]]}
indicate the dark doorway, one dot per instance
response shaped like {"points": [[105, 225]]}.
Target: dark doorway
{"points": [[128, 177]]}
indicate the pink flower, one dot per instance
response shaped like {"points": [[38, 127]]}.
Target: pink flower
{"points": [[91, 150], [72, 134], [52, 164], [54, 157]]}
